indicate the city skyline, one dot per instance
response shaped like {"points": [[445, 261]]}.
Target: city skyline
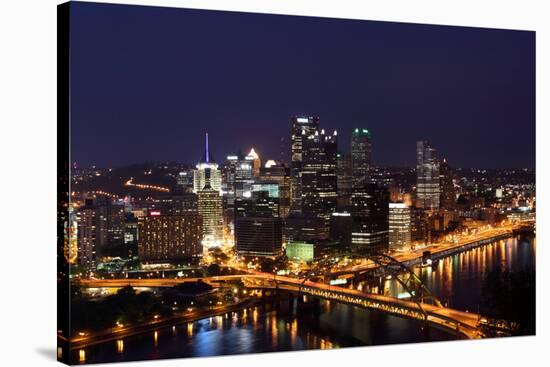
{"points": [[242, 152], [146, 106]]}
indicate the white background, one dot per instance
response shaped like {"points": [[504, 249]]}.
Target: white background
{"points": [[28, 181]]}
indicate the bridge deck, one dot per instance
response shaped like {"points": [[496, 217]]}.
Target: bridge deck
{"points": [[461, 322]]}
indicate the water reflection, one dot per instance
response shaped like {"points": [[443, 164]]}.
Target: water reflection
{"points": [[457, 280], [82, 355], [120, 346]]}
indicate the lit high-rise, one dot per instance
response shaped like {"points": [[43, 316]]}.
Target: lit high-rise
{"points": [[427, 176], [318, 175], [302, 126], [447, 188], [211, 211], [361, 151], [273, 172], [344, 181], [256, 162], [207, 171], [399, 226], [169, 237], [369, 210]]}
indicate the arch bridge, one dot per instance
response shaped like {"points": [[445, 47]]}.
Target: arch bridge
{"points": [[422, 305]]}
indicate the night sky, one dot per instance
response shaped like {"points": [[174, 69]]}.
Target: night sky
{"points": [[148, 82]]}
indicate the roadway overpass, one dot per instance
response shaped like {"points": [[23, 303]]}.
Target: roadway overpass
{"points": [[462, 323]]}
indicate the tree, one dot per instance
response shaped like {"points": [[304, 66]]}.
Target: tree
{"points": [[510, 296], [213, 270]]}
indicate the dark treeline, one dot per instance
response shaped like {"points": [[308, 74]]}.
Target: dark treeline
{"points": [[511, 296], [127, 307]]}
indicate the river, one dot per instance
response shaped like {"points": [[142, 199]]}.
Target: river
{"points": [[292, 325]]}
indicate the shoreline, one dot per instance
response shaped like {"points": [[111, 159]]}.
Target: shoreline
{"points": [[106, 336]]}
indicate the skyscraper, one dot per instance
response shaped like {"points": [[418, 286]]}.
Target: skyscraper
{"points": [[361, 150], [211, 211], [447, 187], [280, 174], [318, 175], [301, 128], [344, 181], [427, 176], [244, 177], [256, 162], [110, 224], [259, 236], [420, 232], [169, 237], [207, 171], [369, 210], [399, 226], [100, 227], [185, 180], [87, 223], [228, 177]]}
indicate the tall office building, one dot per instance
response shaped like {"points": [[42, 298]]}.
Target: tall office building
{"points": [[186, 202], [361, 151], [185, 180], [399, 227], [341, 225], [207, 172], [228, 178], [370, 210], [211, 211], [259, 236], [298, 227], [447, 188], [100, 227], [87, 223], [318, 175], [280, 174], [420, 231], [131, 236], [344, 181], [169, 237], [111, 217], [256, 162], [427, 176], [301, 128], [267, 197], [244, 177]]}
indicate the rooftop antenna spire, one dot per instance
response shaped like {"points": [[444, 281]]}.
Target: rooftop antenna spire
{"points": [[207, 154]]}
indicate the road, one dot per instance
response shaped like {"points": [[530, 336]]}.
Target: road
{"points": [[436, 249]]}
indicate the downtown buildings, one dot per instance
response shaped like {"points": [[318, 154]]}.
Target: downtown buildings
{"points": [[343, 203]]}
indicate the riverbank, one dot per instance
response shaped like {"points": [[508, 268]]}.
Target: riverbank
{"points": [[123, 332]]}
